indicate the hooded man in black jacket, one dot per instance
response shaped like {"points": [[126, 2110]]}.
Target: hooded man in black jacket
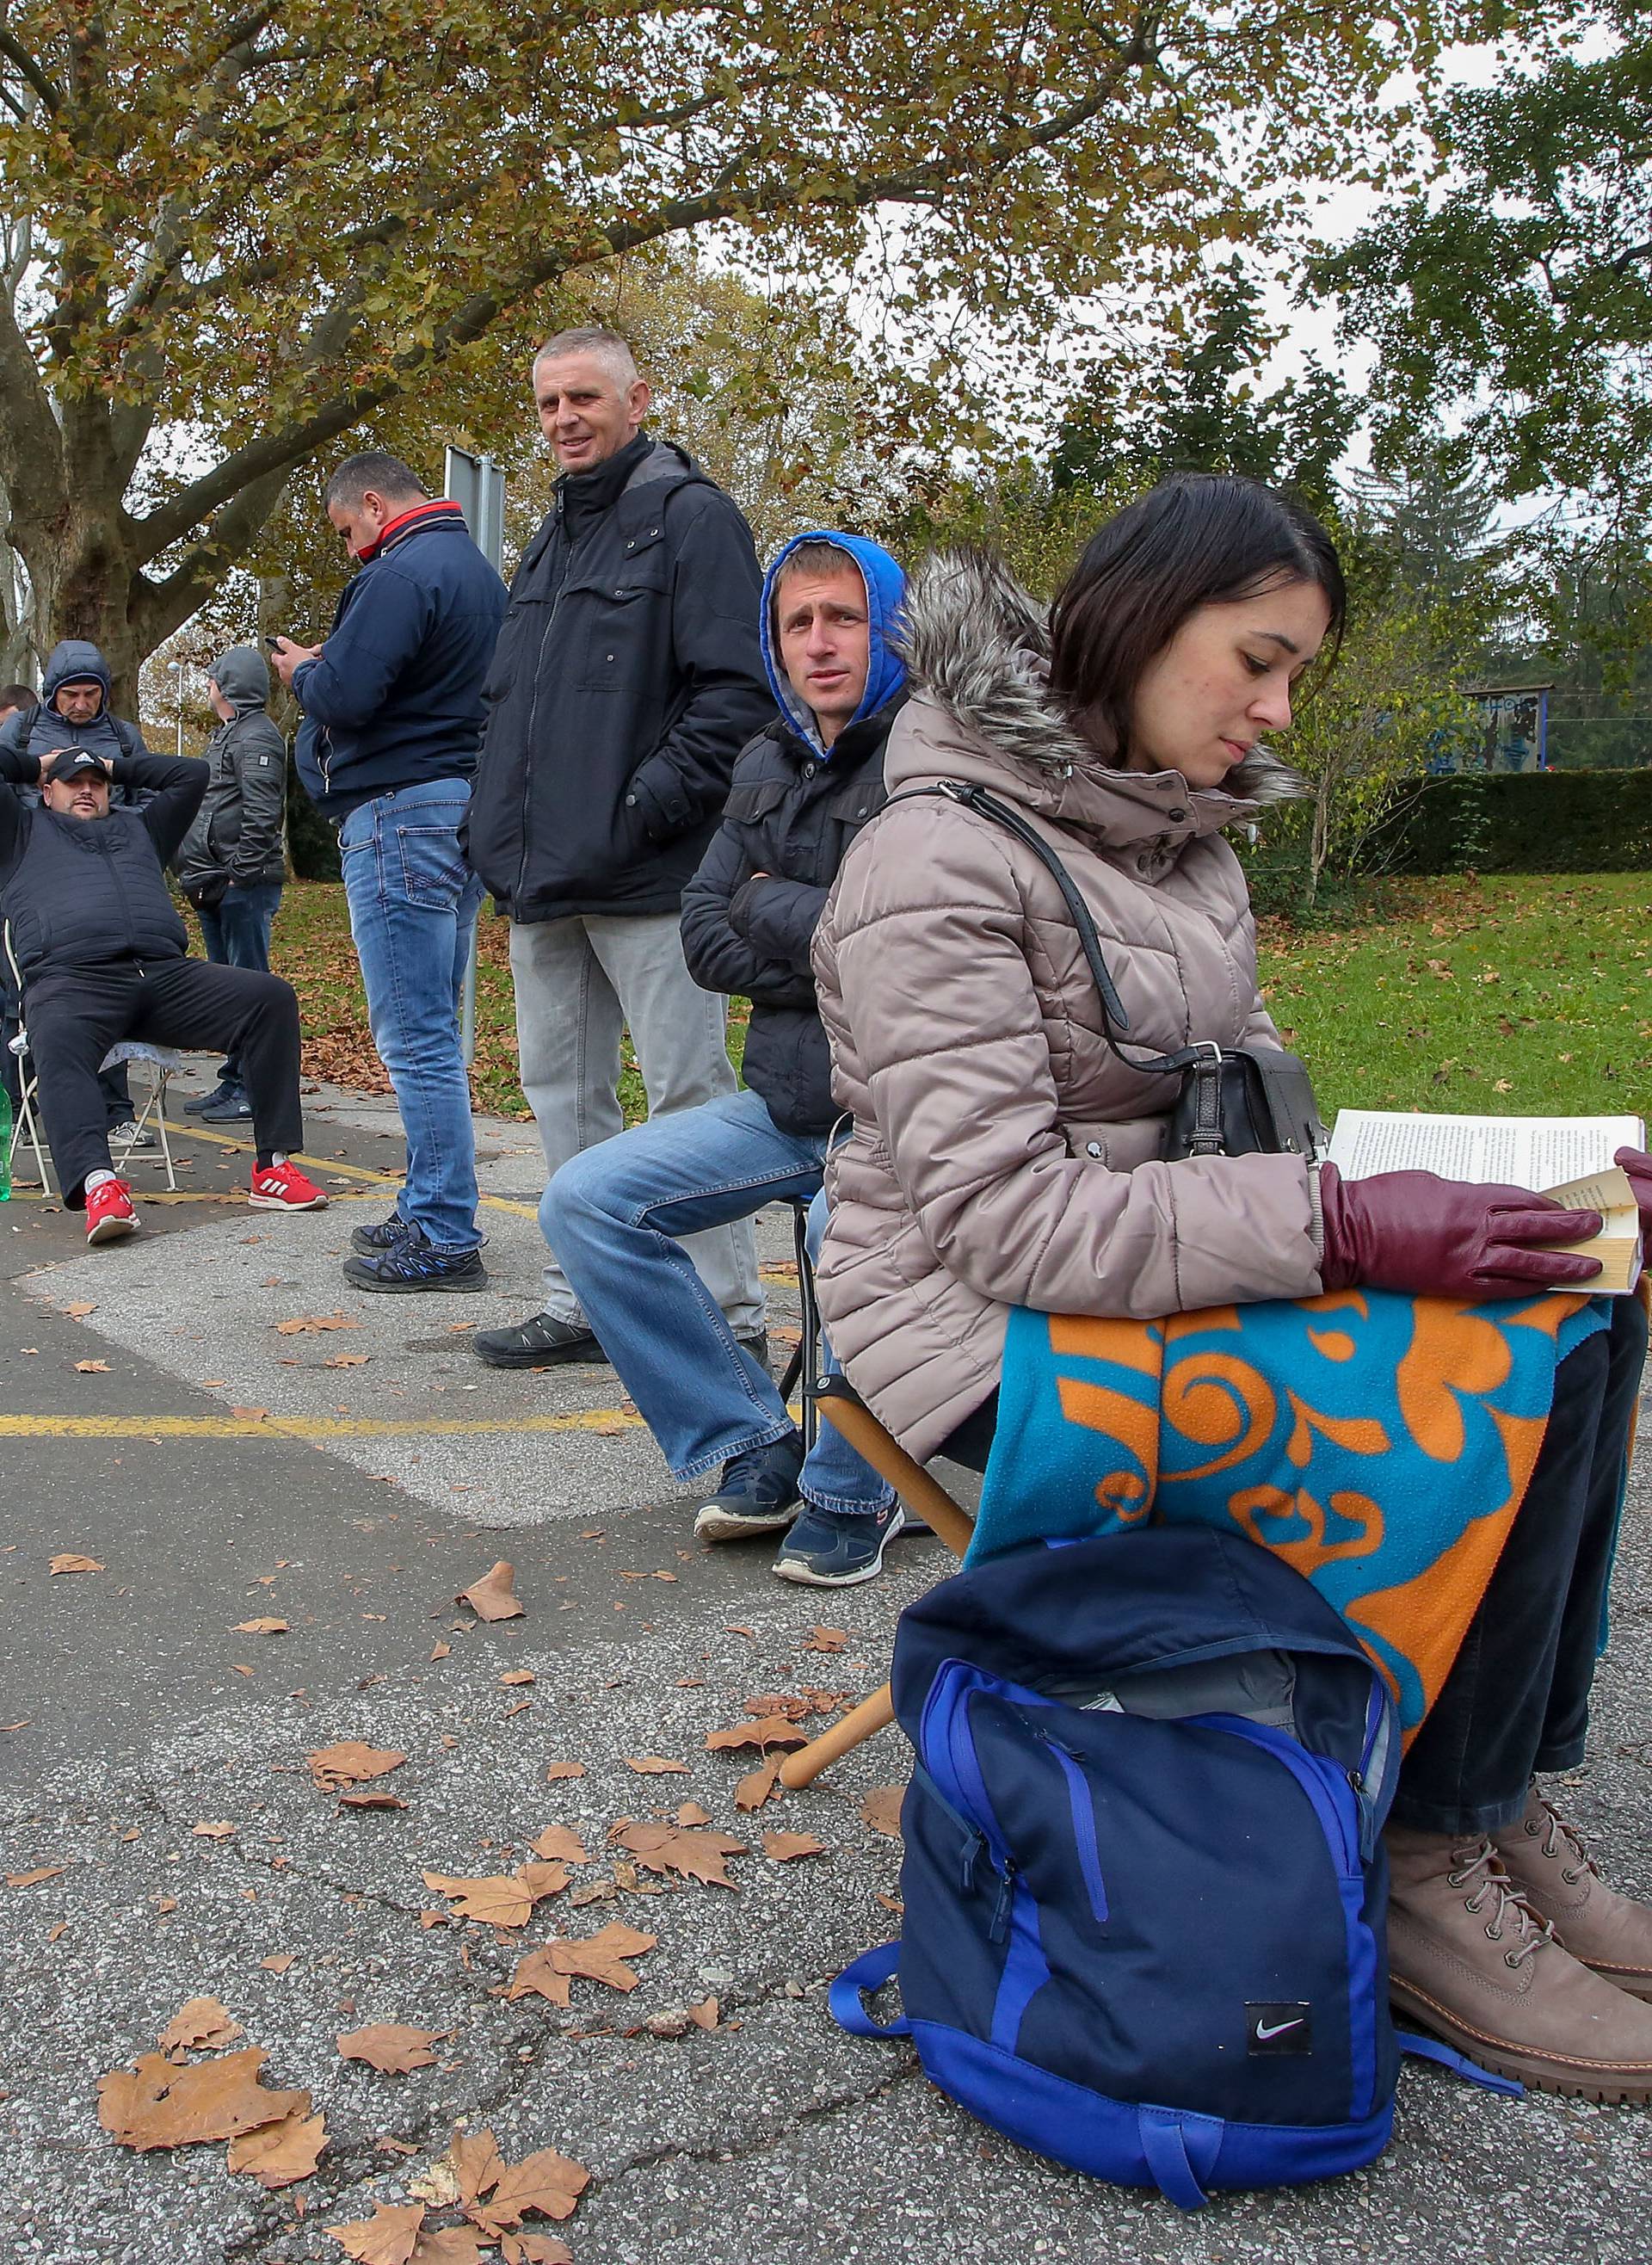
{"points": [[801, 791], [627, 678]]}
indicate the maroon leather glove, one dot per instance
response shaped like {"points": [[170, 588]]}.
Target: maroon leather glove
{"points": [[1449, 1238], [1638, 1167]]}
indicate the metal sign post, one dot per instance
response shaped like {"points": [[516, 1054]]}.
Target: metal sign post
{"points": [[477, 484]]}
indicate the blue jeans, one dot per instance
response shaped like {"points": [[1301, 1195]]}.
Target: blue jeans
{"points": [[237, 933], [613, 1215], [413, 904]]}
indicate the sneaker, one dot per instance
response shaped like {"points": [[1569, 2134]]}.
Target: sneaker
{"points": [[109, 1213], [233, 1107], [411, 1264], [384, 1235], [757, 1493], [126, 1134], [197, 1101], [1548, 1861], [538, 1343], [835, 1549], [1471, 1960], [283, 1187]]}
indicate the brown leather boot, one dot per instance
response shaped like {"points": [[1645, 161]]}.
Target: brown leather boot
{"points": [[1471, 1960], [1547, 1859]]}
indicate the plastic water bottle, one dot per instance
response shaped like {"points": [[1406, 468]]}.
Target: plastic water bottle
{"points": [[5, 1144]]}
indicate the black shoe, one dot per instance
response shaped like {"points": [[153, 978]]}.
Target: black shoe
{"points": [[754, 1342], [231, 1108], [411, 1265], [197, 1101], [830, 1549], [382, 1237], [758, 1492], [536, 1343]]}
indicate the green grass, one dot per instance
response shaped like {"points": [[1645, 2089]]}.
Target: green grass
{"points": [[1518, 996]]}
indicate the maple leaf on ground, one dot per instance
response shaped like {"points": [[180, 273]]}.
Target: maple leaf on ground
{"points": [[220, 1830], [279, 1962], [450, 2245], [203, 2023], [476, 2164], [520, 1675], [784, 1848], [791, 1704], [654, 1766], [351, 1762], [281, 2154], [68, 1562], [493, 1598], [92, 1368], [260, 1628], [313, 1324], [599, 1957], [371, 1799], [706, 2014], [497, 1901], [533, 2249], [881, 1808], [347, 1360], [669, 1848], [768, 1731], [826, 1639], [759, 1786], [558, 1843], [32, 1879], [556, 1771], [391, 2047], [157, 2104], [547, 2183], [691, 1813], [387, 2237]]}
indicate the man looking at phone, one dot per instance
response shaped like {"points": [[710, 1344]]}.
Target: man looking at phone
{"points": [[392, 715]]}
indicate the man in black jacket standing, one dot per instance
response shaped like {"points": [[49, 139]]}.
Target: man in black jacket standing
{"points": [[234, 859], [620, 1214], [628, 677], [102, 953]]}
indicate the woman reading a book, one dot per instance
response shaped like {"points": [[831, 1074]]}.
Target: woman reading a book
{"points": [[1009, 1164]]}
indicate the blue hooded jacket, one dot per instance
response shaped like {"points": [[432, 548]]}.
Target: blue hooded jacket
{"points": [[750, 912], [37, 730]]}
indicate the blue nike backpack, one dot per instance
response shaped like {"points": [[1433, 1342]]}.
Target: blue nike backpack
{"points": [[1143, 1881]]}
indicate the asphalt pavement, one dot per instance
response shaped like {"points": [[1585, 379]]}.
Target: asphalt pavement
{"points": [[350, 1481]]}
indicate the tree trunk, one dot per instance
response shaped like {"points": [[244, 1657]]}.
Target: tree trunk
{"points": [[82, 572]]}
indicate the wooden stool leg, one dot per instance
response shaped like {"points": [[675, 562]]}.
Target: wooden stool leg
{"points": [[910, 1479], [860, 1724]]}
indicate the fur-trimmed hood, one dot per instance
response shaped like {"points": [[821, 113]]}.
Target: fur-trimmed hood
{"points": [[977, 648]]}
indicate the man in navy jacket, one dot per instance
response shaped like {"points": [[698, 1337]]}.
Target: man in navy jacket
{"points": [[392, 715]]}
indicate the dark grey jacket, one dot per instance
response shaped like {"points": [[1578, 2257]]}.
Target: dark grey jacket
{"points": [[628, 677], [237, 841]]}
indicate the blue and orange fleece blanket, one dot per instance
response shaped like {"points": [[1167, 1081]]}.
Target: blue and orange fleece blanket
{"points": [[1380, 1444]]}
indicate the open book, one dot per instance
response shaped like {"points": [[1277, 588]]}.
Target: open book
{"points": [[1567, 1157]]}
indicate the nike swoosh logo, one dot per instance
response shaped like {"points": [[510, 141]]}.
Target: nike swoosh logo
{"points": [[1264, 2030]]}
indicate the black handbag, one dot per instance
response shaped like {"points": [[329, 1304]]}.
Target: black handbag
{"points": [[1234, 1101]]}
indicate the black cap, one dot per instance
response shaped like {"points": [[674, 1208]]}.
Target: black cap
{"points": [[73, 765]]}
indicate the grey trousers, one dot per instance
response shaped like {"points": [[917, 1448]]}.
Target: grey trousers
{"points": [[579, 983]]}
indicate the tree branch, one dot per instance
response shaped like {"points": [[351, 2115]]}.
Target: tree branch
{"points": [[162, 606], [24, 64]]}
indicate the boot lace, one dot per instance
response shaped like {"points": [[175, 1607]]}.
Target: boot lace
{"points": [[1478, 1862], [1561, 1839]]}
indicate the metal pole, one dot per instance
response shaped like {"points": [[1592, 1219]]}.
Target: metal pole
{"points": [[477, 484]]}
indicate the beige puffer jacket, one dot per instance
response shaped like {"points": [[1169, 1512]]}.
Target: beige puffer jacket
{"points": [[1001, 1154]]}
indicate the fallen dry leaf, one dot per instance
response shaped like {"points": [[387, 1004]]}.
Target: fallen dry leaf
{"points": [[476, 2164], [556, 1770], [654, 1766], [692, 1855], [784, 1847], [157, 2104], [558, 1844], [347, 1360], [31, 1879], [351, 1762], [825, 1639], [281, 2154], [706, 2014], [67, 1562], [387, 2237], [769, 1731], [279, 1962], [881, 1808], [496, 1901], [223, 1830], [391, 2047], [519, 1675], [260, 1628], [547, 2183], [759, 1786], [79, 1310], [442, 1652], [595, 1891], [691, 1813], [372, 1798], [792, 1704], [202, 2023], [533, 2249], [92, 1368], [599, 1957], [313, 1324], [449, 2245], [251, 1414], [493, 1596]]}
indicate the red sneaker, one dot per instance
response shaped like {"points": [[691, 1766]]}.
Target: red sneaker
{"points": [[283, 1187], [109, 1213]]}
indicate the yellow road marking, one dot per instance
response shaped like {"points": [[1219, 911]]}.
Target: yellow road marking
{"points": [[142, 1196], [304, 1427], [340, 1170]]}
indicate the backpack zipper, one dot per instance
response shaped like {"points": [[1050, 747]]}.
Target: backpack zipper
{"points": [[1081, 1802]]}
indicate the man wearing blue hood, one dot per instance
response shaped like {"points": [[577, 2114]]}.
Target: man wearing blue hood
{"points": [[613, 1214]]}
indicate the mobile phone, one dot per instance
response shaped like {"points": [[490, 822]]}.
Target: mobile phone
{"points": [[272, 641]]}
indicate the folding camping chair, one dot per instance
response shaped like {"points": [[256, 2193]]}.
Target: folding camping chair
{"points": [[836, 1398], [161, 1060]]}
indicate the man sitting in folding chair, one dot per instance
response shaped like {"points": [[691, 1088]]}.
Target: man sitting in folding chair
{"points": [[102, 953]]}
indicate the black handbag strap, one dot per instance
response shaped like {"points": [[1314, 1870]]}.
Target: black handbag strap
{"points": [[1114, 1018]]}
